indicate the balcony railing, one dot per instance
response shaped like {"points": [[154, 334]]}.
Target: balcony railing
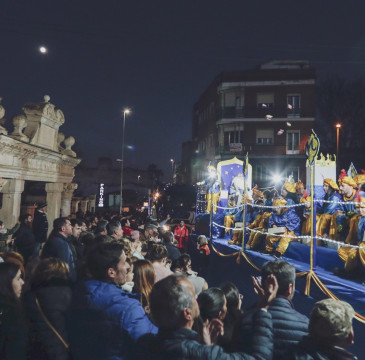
{"points": [[257, 112], [256, 149]]}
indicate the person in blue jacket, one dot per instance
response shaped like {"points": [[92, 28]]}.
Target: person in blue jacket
{"points": [[105, 320]]}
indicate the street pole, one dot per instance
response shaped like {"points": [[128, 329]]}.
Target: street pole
{"points": [[338, 127], [172, 169], [126, 111]]}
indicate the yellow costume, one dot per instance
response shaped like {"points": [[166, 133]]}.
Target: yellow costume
{"points": [[286, 218], [260, 224], [354, 258], [326, 212]]}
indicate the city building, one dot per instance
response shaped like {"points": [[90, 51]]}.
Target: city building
{"points": [[103, 180], [266, 112]]}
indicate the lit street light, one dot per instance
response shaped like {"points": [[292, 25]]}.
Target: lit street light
{"points": [[172, 168], [125, 112]]}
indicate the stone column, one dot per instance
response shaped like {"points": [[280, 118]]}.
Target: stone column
{"points": [[68, 190], [84, 206], [12, 196], [54, 191]]}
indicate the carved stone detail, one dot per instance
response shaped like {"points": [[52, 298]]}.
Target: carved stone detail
{"points": [[60, 139], [70, 187], [69, 142], [3, 183], [2, 120], [19, 122]]}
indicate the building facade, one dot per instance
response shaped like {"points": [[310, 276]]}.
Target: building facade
{"points": [[267, 113]]}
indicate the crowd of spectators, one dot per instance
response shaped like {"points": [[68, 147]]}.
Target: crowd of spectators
{"points": [[123, 287]]}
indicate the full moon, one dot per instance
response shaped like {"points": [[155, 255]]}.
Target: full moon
{"points": [[43, 49]]}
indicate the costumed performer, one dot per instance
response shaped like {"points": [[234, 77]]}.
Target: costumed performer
{"points": [[237, 188], [360, 180], [354, 258], [213, 188], [347, 217], [282, 217], [229, 213], [326, 218], [299, 189]]}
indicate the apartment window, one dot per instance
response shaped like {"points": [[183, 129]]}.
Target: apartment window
{"points": [[233, 137], [293, 101], [292, 142], [229, 99], [265, 136], [265, 100]]}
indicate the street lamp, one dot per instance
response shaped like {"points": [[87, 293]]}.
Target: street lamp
{"points": [[338, 127], [172, 168], [125, 112]]}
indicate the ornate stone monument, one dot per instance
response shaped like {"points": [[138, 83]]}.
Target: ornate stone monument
{"points": [[33, 152]]}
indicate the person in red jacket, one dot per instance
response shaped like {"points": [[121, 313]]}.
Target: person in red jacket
{"points": [[126, 227], [181, 233]]}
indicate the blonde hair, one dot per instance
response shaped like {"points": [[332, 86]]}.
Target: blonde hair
{"points": [[203, 240], [49, 268]]}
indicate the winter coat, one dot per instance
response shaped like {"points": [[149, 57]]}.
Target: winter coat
{"points": [[13, 332], [40, 226], [183, 344], [309, 350], [54, 298], [289, 326], [104, 321], [172, 251], [59, 247], [25, 242]]}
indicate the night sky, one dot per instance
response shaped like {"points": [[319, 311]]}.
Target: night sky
{"points": [[157, 57]]}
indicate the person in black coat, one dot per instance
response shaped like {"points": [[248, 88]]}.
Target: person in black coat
{"points": [[50, 286], [25, 242], [172, 251], [40, 225], [330, 333], [289, 325], [174, 309], [13, 327]]}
